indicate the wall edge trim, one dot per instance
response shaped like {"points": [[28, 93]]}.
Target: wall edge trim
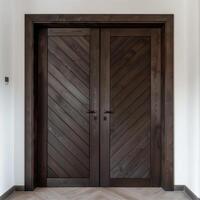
{"points": [[187, 191], [11, 190], [7, 193]]}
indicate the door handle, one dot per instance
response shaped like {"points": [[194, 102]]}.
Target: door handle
{"points": [[108, 112], [91, 112]]}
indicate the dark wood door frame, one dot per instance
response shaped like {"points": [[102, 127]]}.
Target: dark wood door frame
{"points": [[164, 22]]}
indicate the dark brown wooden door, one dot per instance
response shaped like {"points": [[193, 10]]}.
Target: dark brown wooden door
{"points": [[130, 107], [71, 156], [127, 152]]}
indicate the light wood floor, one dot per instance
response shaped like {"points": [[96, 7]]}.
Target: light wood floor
{"points": [[99, 194]]}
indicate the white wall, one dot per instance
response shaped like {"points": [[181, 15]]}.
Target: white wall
{"points": [[6, 108], [186, 72], [193, 96]]}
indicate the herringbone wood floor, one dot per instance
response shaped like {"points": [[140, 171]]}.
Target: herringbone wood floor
{"points": [[99, 194]]}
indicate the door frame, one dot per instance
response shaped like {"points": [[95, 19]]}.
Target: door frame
{"points": [[165, 22]]}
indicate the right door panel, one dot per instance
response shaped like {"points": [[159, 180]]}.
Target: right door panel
{"points": [[130, 107]]}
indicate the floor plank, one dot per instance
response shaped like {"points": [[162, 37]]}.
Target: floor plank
{"points": [[74, 193]]}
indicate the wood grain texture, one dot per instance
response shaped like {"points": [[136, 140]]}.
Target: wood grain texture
{"points": [[100, 18], [68, 103], [105, 106], [130, 142], [130, 91], [156, 84], [130, 137], [94, 106], [74, 91], [42, 106], [168, 105], [30, 108], [35, 22]]}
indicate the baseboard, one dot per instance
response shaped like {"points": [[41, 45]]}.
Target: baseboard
{"points": [[179, 187], [19, 188], [7, 193], [191, 194], [187, 191], [11, 190]]}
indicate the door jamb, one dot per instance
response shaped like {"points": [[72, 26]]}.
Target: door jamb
{"points": [[165, 22]]}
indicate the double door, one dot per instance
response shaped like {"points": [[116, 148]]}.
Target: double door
{"points": [[99, 103]]}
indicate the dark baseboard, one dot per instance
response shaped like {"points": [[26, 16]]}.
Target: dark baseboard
{"points": [[11, 190], [191, 194], [179, 187], [19, 188], [187, 191], [7, 193]]}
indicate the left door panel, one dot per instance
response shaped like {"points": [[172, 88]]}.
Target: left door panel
{"points": [[68, 107]]}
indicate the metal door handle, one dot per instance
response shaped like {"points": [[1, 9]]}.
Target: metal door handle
{"points": [[91, 112], [108, 112]]}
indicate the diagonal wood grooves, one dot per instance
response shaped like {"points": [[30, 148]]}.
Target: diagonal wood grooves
{"points": [[52, 173], [68, 104], [130, 110], [81, 50], [61, 57], [59, 115], [69, 121], [130, 90], [69, 143], [129, 133], [75, 121], [64, 82], [54, 84], [68, 156], [71, 53], [120, 154], [116, 128], [65, 165], [125, 55], [140, 143], [54, 117], [123, 70], [83, 121], [68, 73], [132, 151], [131, 106], [142, 166], [62, 159], [128, 101], [66, 93], [67, 70], [68, 57], [77, 47], [132, 154], [72, 78], [125, 50], [124, 82], [66, 152], [56, 166]]}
